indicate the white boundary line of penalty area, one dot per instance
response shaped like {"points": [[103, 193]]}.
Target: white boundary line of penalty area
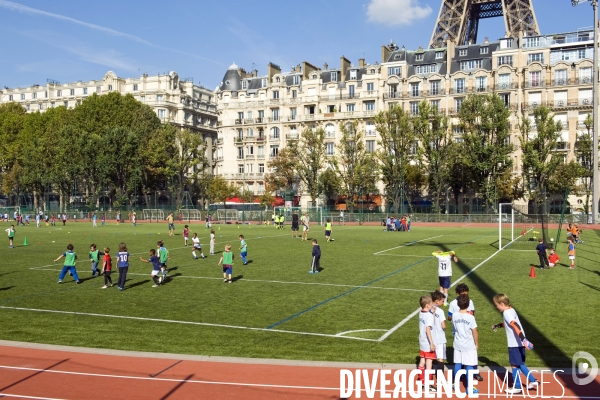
{"points": [[156, 379], [405, 320], [45, 268], [407, 244], [171, 321]]}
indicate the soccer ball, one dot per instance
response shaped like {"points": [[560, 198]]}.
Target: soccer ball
{"points": [[552, 239]]}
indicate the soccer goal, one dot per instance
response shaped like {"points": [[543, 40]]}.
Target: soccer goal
{"points": [[189, 214], [153, 214], [226, 215], [518, 230]]}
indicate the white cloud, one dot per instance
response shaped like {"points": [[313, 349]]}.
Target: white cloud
{"points": [[396, 12]]}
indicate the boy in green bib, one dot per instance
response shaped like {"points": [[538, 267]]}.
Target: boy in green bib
{"points": [[227, 261]]}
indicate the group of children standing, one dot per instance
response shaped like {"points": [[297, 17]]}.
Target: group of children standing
{"points": [[461, 312]]}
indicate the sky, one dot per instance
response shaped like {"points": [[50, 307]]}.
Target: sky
{"points": [[71, 40]]}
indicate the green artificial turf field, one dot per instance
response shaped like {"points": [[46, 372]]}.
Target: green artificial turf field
{"points": [[360, 307]]}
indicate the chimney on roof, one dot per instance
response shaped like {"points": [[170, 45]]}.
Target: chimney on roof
{"points": [[299, 68], [325, 66], [361, 62], [486, 40], [255, 73]]}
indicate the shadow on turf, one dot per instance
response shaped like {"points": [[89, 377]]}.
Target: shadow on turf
{"points": [[546, 349], [237, 278], [138, 283], [589, 270], [168, 278], [6, 288], [591, 286]]}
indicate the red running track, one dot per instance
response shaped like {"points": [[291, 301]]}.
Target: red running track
{"points": [[34, 373]]}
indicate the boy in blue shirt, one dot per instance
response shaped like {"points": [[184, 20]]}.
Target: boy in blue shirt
{"points": [[316, 258], [123, 265], [155, 267], [243, 249], [69, 265]]}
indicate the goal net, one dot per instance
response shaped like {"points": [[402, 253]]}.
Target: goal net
{"points": [[153, 214], [519, 230], [227, 214], [191, 214]]}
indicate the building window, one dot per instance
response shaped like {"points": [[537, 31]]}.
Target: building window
{"points": [[59, 93], [240, 168], [439, 55], [459, 85], [159, 97], [353, 74], [535, 57], [244, 84], [505, 60], [275, 94], [370, 128], [370, 86], [426, 69], [52, 104], [349, 107], [294, 94], [275, 114], [414, 89], [395, 71], [275, 133], [296, 80], [261, 168], [84, 90], [274, 151], [98, 89], [535, 79], [10, 97], [458, 103], [135, 87], [585, 75], [34, 95], [334, 76], [72, 92], [470, 64], [66, 104], [109, 87], [480, 83], [414, 108], [370, 146], [419, 57], [484, 50], [293, 113], [434, 88], [264, 82], [329, 148], [41, 106], [22, 96], [28, 107], [161, 113], [505, 98], [435, 104], [370, 105], [462, 52], [142, 98]]}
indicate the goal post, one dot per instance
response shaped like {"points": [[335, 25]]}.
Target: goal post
{"points": [[519, 230], [506, 224]]}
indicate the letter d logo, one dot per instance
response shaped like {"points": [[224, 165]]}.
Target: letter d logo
{"points": [[581, 368]]}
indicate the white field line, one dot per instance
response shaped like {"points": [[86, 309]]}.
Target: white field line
{"points": [[359, 330], [422, 256], [44, 268], [20, 396], [204, 382], [408, 244], [405, 320], [146, 378], [170, 321]]}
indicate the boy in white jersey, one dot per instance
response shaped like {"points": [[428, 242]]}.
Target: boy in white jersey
{"points": [[517, 343], [196, 246], [444, 270], [462, 289], [438, 330], [426, 343], [466, 343]]}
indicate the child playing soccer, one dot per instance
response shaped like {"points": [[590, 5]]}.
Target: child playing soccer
{"points": [[517, 343], [227, 261], [553, 258], [95, 259], [571, 247], [466, 341], [305, 226], [243, 249], [123, 265], [328, 230], [444, 270], [69, 265], [541, 249], [316, 258], [426, 344], [155, 267], [196, 246], [437, 332], [106, 268], [212, 242], [163, 255], [11, 236], [186, 232]]}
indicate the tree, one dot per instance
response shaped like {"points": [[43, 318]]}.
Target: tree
{"points": [[414, 182], [356, 169], [395, 151], [220, 190], [329, 183], [538, 148], [584, 153], [309, 153], [487, 147], [434, 152], [283, 169], [12, 118]]}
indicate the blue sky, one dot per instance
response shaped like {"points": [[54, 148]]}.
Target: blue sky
{"points": [[70, 40]]}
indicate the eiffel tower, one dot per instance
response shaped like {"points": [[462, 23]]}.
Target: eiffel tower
{"points": [[459, 19]]}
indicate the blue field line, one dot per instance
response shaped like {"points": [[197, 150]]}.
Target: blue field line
{"points": [[361, 286]]}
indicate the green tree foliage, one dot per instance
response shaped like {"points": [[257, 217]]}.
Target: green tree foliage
{"points": [[394, 152], [283, 167], [538, 148], [583, 151], [487, 147], [356, 169], [415, 182], [220, 190], [434, 150], [329, 183], [309, 153], [12, 118]]}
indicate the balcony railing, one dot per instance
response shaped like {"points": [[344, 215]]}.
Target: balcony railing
{"points": [[392, 95], [437, 92], [561, 82], [481, 89], [274, 137], [506, 86], [586, 80], [417, 93], [274, 119], [249, 156], [458, 90], [535, 83], [292, 118], [292, 136]]}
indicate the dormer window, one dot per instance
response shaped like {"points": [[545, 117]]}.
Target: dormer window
{"points": [[462, 52], [419, 57], [353, 74], [296, 80], [264, 82], [334, 76], [484, 50], [244, 85], [439, 54]]}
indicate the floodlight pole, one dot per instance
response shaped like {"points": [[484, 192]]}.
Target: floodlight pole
{"points": [[596, 130]]}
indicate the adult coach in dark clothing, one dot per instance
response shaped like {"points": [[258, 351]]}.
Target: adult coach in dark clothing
{"points": [[295, 225], [541, 249]]}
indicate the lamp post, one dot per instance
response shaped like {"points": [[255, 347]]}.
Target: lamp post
{"points": [[595, 176]]}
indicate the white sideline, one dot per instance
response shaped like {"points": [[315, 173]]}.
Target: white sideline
{"points": [[408, 244]]}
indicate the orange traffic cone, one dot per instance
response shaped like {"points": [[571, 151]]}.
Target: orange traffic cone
{"points": [[532, 272]]}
